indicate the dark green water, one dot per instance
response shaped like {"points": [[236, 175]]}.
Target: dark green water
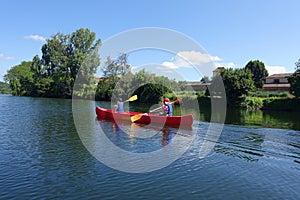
{"points": [[265, 118], [42, 157]]}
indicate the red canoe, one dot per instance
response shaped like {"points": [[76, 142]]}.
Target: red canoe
{"points": [[146, 118]]}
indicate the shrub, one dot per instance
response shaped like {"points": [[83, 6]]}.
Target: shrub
{"points": [[252, 103], [281, 104]]}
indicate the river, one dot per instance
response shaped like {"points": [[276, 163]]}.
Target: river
{"points": [[44, 157]]}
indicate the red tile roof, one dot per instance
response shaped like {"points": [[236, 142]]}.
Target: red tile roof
{"points": [[283, 75]]}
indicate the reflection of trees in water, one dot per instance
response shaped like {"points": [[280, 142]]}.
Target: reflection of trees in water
{"points": [[264, 118]]}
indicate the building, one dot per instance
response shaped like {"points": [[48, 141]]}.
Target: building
{"points": [[277, 83], [196, 86], [218, 70]]}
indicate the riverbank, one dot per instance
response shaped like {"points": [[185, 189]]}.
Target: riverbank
{"points": [[273, 103]]}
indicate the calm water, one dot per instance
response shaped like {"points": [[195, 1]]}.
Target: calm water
{"points": [[42, 157]]}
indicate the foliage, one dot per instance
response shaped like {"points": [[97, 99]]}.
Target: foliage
{"points": [[20, 79], [4, 88], [259, 72], [54, 74], [264, 94], [113, 72], [286, 104], [119, 81], [237, 82], [294, 80], [252, 103]]}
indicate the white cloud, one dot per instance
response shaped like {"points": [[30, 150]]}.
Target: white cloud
{"points": [[170, 65], [189, 64], [193, 58], [226, 65], [5, 57], [189, 58], [215, 58], [275, 69], [35, 37]]}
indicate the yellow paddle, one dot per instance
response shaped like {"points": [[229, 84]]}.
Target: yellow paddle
{"points": [[133, 98], [138, 116]]}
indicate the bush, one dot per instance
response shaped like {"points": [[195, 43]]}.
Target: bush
{"points": [[252, 103], [285, 94], [281, 104], [264, 94]]}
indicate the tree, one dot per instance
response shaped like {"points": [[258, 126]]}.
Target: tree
{"points": [[116, 68], [149, 87], [4, 88], [42, 83], [237, 82], [64, 55], [294, 80], [259, 72], [113, 81], [204, 79], [20, 79], [64, 59]]}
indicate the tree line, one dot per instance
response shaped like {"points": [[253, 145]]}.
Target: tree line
{"points": [[67, 57], [240, 82]]}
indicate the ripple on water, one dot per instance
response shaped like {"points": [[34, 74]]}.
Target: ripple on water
{"points": [[42, 157]]}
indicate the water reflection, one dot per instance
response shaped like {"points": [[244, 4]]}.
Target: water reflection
{"points": [[135, 131], [262, 118], [166, 136], [251, 144]]}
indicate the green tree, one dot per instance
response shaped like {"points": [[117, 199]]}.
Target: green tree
{"points": [[149, 87], [64, 55], [259, 72], [113, 81], [64, 58], [119, 81], [294, 80], [4, 88], [20, 79], [237, 82], [42, 83]]}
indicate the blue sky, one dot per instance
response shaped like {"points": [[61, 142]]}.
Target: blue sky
{"points": [[231, 32]]}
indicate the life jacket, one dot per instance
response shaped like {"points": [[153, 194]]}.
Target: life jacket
{"points": [[168, 110]]}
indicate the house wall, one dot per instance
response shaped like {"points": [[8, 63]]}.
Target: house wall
{"points": [[197, 87], [272, 80]]}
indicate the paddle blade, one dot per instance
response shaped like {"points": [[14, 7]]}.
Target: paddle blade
{"points": [[133, 98], [136, 117], [178, 100]]}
